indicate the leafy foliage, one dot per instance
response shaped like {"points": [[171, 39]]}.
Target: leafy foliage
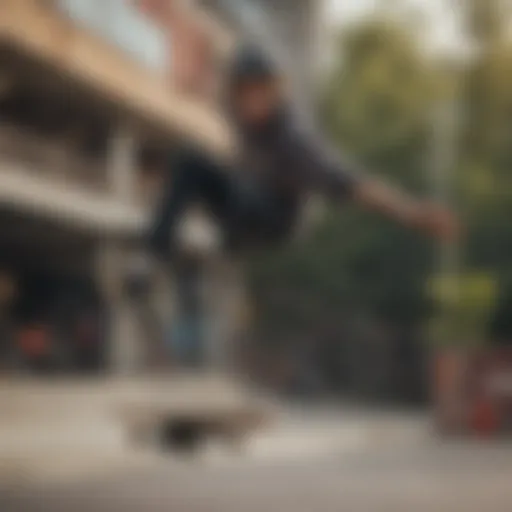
{"points": [[377, 105]]}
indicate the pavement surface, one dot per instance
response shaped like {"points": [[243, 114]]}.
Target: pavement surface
{"points": [[62, 450], [328, 459], [428, 477], [59, 433]]}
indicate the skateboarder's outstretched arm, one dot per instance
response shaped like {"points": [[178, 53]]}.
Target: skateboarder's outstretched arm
{"points": [[327, 172], [429, 217]]}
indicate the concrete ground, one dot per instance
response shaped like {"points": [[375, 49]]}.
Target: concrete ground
{"points": [[49, 452], [62, 432], [425, 477], [324, 459]]}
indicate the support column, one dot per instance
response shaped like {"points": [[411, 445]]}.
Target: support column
{"points": [[227, 305], [122, 164], [125, 341]]}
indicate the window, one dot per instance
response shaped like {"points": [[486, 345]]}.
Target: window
{"points": [[120, 23]]}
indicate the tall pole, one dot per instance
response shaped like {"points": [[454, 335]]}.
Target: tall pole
{"points": [[442, 162]]}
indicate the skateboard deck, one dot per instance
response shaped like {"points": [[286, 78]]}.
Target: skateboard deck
{"points": [[198, 408]]}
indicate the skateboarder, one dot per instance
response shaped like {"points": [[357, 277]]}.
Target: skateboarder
{"points": [[257, 200]]}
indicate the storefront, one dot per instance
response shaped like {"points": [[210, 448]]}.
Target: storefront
{"points": [[53, 318]]}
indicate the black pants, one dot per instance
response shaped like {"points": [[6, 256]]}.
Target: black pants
{"points": [[247, 215]]}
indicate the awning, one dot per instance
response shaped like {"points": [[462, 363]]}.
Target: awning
{"points": [[38, 31]]}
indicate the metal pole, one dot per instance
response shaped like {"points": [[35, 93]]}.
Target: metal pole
{"points": [[441, 165]]}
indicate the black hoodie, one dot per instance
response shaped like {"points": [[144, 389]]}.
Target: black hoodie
{"points": [[291, 163]]}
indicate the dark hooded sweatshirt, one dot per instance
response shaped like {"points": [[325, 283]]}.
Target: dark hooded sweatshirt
{"points": [[289, 163], [279, 166]]}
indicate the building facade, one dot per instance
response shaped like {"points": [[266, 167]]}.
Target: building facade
{"points": [[86, 117], [84, 98]]}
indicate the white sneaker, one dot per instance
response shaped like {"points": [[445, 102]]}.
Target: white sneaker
{"points": [[198, 233]]}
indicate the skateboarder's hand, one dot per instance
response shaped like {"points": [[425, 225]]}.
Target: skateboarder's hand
{"points": [[436, 221], [429, 218]]}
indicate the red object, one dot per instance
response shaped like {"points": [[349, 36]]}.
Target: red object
{"points": [[473, 391], [485, 420], [34, 341]]}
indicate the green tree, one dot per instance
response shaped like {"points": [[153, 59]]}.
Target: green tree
{"points": [[486, 146], [376, 107]]}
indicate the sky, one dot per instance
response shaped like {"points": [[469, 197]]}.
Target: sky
{"points": [[441, 33]]}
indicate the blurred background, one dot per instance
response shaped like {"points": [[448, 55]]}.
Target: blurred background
{"points": [[360, 313]]}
